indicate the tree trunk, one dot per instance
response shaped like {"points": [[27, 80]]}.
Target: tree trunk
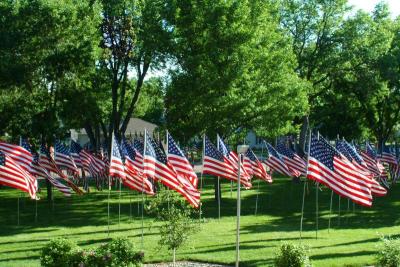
{"points": [[92, 138], [303, 136], [49, 191]]}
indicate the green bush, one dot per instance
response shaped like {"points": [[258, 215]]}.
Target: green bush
{"points": [[389, 252], [291, 255], [58, 253], [63, 253], [119, 252]]}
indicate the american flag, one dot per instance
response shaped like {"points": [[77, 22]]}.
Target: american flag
{"points": [[231, 157], [387, 156], [370, 158], [39, 171], [90, 163], [275, 162], [138, 162], [351, 154], [47, 162], [20, 155], [180, 163], [134, 179], [214, 163], [74, 151], [327, 166], [253, 166], [117, 168], [293, 161], [156, 166], [63, 158], [11, 174]]}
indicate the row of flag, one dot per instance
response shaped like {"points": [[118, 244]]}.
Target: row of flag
{"points": [[347, 169]]}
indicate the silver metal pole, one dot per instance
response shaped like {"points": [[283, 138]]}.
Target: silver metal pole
{"points": [[18, 211], [219, 199], [316, 211], [201, 175], [330, 212], [36, 213], [119, 202], [302, 209], [108, 206], [238, 214], [231, 187], [258, 192], [305, 185], [142, 238], [339, 210]]}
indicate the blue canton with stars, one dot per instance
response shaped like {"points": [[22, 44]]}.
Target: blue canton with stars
{"points": [[44, 150], [211, 151], [173, 147], [250, 154], [75, 147], [138, 145], [354, 154], [370, 151], [2, 159], [342, 148], [283, 150], [25, 144], [127, 149], [272, 151], [116, 149], [154, 150], [322, 151], [60, 148], [224, 149]]}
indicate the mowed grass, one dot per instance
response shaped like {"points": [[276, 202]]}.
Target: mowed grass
{"points": [[351, 241]]}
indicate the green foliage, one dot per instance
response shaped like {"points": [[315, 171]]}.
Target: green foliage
{"points": [[58, 253], [234, 70], [388, 252], [176, 216], [64, 253], [291, 255]]}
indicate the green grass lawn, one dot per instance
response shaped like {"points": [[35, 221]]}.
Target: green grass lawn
{"points": [[351, 240]]}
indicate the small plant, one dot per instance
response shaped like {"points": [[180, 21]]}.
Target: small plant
{"points": [[57, 253], [291, 255], [176, 216], [389, 252]]}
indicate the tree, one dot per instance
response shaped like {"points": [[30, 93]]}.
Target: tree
{"points": [[232, 71], [135, 39], [176, 216], [312, 26], [367, 81]]}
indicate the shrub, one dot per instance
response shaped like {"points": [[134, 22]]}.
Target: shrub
{"points": [[389, 252], [119, 252], [63, 253], [57, 253], [291, 255]]}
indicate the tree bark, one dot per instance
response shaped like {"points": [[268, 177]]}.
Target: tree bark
{"points": [[303, 136], [49, 191]]}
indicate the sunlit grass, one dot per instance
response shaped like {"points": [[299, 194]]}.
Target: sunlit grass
{"points": [[351, 240]]}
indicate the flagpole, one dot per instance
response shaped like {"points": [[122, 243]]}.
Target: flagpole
{"points": [[144, 152], [240, 150], [316, 204], [109, 190], [201, 175], [330, 212], [119, 202], [339, 210], [305, 184], [218, 187], [258, 191], [18, 210]]}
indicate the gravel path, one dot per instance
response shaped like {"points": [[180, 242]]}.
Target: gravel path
{"points": [[184, 264]]}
